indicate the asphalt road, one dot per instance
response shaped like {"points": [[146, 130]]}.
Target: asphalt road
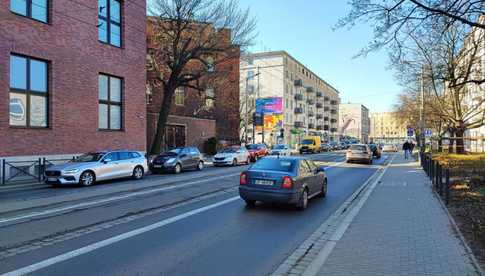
{"points": [[191, 224]]}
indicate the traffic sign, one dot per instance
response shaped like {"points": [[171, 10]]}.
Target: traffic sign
{"points": [[410, 132]]}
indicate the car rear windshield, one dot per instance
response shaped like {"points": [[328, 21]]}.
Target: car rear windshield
{"points": [[252, 147], [274, 164], [279, 147], [307, 142], [358, 147]]}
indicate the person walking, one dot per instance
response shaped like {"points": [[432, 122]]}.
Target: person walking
{"points": [[406, 148], [411, 147]]}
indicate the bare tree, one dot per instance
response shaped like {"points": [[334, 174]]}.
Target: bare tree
{"points": [[188, 41], [393, 19]]}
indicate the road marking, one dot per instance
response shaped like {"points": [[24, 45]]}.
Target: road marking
{"points": [[106, 200], [323, 255], [115, 239]]}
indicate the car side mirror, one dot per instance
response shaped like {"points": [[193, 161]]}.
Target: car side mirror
{"points": [[106, 161]]}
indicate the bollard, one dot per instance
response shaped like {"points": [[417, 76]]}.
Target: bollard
{"points": [[447, 186], [3, 171]]}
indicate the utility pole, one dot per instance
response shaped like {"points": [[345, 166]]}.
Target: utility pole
{"points": [[421, 113], [262, 110]]}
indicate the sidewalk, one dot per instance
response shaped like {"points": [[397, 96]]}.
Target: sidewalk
{"points": [[401, 229]]}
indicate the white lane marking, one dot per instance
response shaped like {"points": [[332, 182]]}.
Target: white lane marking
{"points": [[107, 200], [323, 255], [112, 240]]}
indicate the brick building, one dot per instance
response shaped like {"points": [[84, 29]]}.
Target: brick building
{"points": [[72, 77], [196, 116]]}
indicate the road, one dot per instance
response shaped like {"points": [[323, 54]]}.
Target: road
{"points": [[189, 224]]}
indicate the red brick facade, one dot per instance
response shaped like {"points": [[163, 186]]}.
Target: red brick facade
{"points": [[69, 42], [221, 121]]}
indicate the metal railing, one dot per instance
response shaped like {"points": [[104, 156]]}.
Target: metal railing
{"points": [[28, 171], [440, 176]]}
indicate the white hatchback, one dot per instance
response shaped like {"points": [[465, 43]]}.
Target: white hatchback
{"points": [[232, 156], [359, 153]]}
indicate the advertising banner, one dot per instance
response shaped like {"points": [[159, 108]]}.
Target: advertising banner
{"points": [[269, 105]]}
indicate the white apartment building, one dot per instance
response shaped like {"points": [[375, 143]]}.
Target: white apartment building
{"points": [[310, 106], [355, 121]]}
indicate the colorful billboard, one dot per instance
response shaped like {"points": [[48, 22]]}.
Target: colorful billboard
{"points": [[269, 105]]}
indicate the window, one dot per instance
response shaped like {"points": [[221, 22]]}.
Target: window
{"points": [[28, 92], [112, 156], [250, 75], [210, 64], [109, 22], [179, 96], [209, 98], [35, 9], [110, 98]]}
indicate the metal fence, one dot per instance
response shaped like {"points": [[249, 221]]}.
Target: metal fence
{"points": [[440, 176], [448, 144], [28, 171]]}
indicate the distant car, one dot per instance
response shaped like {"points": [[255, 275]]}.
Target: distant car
{"points": [[325, 147], [257, 151], [389, 148], [280, 149], [333, 145], [376, 150], [289, 180], [359, 153], [96, 166], [178, 160], [233, 156]]}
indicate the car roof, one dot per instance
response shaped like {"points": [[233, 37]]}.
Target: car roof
{"points": [[286, 157]]}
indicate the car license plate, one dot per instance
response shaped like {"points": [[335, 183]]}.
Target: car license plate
{"points": [[157, 166], [264, 182], [51, 179]]}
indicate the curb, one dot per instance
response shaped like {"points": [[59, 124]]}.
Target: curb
{"points": [[457, 230]]}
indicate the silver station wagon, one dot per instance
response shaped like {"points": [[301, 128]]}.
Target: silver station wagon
{"points": [[96, 166]]}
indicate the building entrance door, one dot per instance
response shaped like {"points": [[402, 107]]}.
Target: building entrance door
{"points": [[175, 136]]}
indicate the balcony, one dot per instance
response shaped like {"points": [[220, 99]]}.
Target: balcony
{"points": [[333, 130], [310, 89], [311, 114], [319, 105], [326, 127], [319, 94], [333, 102], [326, 99], [326, 119], [311, 101], [333, 111], [326, 108], [298, 82], [299, 124], [333, 121], [299, 97], [319, 127], [298, 110], [319, 116], [311, 125]]}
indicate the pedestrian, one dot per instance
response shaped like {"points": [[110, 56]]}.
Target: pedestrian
{"points": [[411, 148], [406, 147]]}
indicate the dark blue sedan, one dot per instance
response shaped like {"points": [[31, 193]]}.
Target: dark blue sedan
{"points": [[291, 180]]}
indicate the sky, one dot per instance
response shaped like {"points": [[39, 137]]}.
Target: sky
{"points": [[305, 29]]}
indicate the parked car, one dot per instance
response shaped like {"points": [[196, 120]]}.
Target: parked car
{"points": [[280, 149], [325, 147], [389, 148], [376, 150], [178, 160], [310, 144], [232, 156], [257, 151], [333, 145], [359, 153], [289, 180], [97, 166]]}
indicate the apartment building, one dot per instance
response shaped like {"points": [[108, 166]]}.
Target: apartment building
{"points": [[72, 77], [385, 127], [294, 100], [355, 121], [195, 116]]}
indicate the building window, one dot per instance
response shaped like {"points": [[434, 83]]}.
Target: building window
{"points": [[110, 102], [35, 9], [179, 96], [109, 22], [209, 98], [28, 92]]}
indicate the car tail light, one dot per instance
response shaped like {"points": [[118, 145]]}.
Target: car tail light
{"points": [[287, 182], [243, 179]]}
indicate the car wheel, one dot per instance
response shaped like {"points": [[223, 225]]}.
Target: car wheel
{"points": [[234, 162], [87, 178], [323, 192], [177, 168], [200, 166], [138, 172], [250, 203], [303, 201]]}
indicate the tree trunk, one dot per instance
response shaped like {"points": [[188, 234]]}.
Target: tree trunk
{"points": [[460, 143], [162, 119], [440, 144], [451, 142]]}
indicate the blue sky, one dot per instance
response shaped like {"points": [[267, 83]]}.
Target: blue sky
{"points": [[304, 28]]}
